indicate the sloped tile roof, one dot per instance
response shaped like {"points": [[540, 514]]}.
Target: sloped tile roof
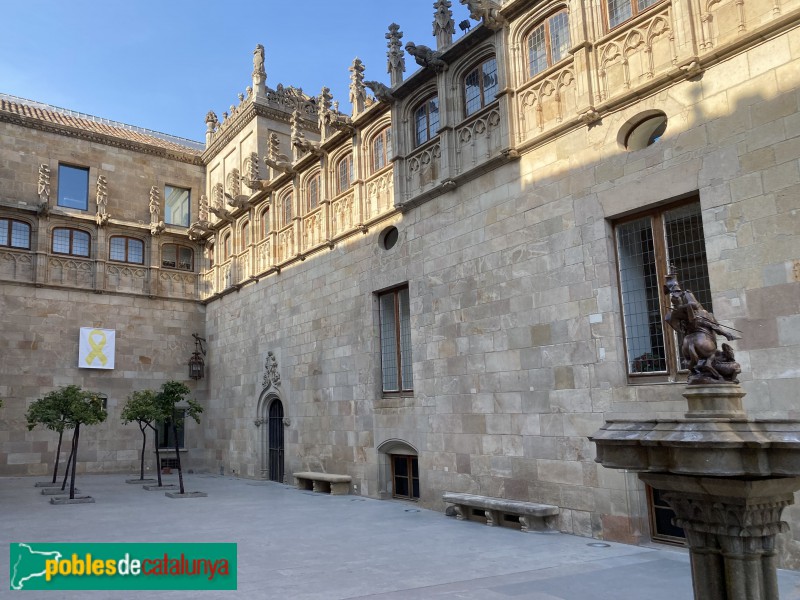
{"points": [[88, 124]]}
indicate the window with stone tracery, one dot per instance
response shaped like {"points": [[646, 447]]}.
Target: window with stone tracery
{"points": [[286, 208], [548, 43], [226, 246], [312, 192], [264, 218], [620, 11], [480, 86], [344, 174], [381, 149], [426, 121], [244, 238]]}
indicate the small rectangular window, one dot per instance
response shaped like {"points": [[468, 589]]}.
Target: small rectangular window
{"points": [[176, 206], [166, 437], [395, 328], [73, 187]]}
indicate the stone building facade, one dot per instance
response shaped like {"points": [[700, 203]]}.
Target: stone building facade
{"points": [[451, 287]]}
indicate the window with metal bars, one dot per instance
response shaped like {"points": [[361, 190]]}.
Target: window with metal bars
{"points": [[15, 234], [125, 249], [395, 327], [646, 245], [548, 43], [620, 11], [480, 86]]}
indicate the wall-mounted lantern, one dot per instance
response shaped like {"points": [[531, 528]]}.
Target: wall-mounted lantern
{"points": [[196, 364]]}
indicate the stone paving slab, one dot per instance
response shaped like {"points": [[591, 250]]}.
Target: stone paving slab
{"points": [[306, 546]]}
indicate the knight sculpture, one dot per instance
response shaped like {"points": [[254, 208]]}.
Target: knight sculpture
{"points": [[699, 330]]}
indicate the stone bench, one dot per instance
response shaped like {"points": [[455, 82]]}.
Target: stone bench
{"points": [[329, 483], [532, 516]]}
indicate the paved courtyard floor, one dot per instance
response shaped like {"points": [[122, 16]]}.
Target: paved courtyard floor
{"points": [[304, 546]]}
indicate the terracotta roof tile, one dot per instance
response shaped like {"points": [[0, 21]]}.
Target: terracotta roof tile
{"points": [[52, 115]]}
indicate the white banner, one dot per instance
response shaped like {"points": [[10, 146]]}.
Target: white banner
{"points": [[96, 348]]}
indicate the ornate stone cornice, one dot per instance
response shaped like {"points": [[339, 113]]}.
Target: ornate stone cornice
{"points": [[100, 138]]}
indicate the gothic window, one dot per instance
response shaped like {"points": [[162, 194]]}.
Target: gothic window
{"points": [[71, 241], [226, 246], [176, 206], [646, 244], [312, 192], [244, 238], [286, 208], [426, 120], [620, 11], [175, 256], [15, 234], [548, 43], [395, 327], [264, 219], [126, 249], [381, 149], [344, 174], [210, 254], [73, 187], [480, 86]]}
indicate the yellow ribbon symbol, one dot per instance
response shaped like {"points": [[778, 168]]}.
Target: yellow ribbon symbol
{"points": [[97, 347]]}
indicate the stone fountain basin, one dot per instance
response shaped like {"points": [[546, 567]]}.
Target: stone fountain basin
{"points": [[701, 447]]}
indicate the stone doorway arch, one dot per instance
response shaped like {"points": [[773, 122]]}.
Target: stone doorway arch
{"points": [[389, 452], [270, 420]]}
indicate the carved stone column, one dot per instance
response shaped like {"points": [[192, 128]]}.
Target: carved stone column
{"points": [[730, 526]]}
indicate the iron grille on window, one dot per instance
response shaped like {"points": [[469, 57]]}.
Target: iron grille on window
{"points": [[395, 325], [646, 245]]}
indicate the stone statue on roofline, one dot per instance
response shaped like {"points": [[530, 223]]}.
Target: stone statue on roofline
{"points": [[487, 11], [426, 57], [699, 352], [383, 93]]}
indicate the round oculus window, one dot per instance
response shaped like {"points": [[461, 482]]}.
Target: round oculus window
{"points": [[646, 132], [389, 237]]}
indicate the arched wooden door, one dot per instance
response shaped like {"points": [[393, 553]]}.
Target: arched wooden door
{"points": [[275, 441]]}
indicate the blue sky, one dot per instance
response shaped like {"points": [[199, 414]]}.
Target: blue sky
{"points": [[163, 65]]}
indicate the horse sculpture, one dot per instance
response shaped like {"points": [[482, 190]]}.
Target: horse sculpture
{"points": [[699, 328]]}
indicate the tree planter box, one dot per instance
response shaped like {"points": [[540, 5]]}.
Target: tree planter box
{"points": [[57, 491], [75, 500], [155, 488], [146, 480], [178, 495]]}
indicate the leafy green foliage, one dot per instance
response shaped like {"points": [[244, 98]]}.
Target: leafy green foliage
{"points": [[53, 410], [171, 394], [140, 407]]}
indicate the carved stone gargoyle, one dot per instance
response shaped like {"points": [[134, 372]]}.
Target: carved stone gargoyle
{"points": [[487, 11], [426, 57], [276, 160], [699, 328], [217, 206], [383, 93], [299, 140]]}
